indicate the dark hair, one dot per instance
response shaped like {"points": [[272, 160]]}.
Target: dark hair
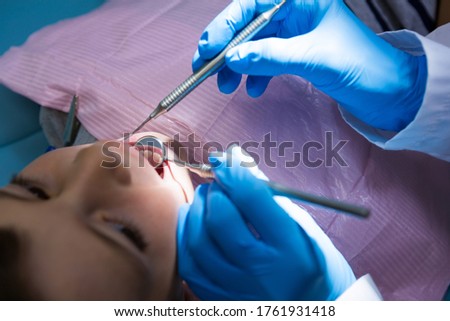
{"points": [[12, 285]]}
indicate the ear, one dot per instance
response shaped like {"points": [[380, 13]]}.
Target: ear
{"points": [[188, 295]]}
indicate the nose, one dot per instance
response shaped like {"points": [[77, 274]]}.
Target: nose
{"points": [[100, 168]]}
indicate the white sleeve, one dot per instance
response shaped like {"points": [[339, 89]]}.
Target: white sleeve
{"points": [[364, 289], [429, 132]]}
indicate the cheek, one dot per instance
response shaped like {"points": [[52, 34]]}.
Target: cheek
{"points": [[157, 218], [158, 213], [70, 264]]}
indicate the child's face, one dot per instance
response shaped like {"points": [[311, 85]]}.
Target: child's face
{"points": [[83, 241]]}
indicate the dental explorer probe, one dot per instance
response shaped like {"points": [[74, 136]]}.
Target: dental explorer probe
{"points": [[205, 171], [210, 67]]}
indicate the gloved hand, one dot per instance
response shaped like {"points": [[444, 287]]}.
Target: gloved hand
{"points": [[323, 42], [235, 242]]}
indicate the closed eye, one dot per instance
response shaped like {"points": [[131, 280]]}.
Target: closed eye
{"points": [[130, 232], [31, 186]]}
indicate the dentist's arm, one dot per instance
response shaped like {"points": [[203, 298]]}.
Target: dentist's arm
{"points": [[323, 42], [429, 132]]}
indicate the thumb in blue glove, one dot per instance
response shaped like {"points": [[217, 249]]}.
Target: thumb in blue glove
{"points": [[235, 242], [323, 42]]}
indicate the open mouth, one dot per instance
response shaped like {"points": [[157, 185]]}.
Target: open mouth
{"points": [[155, 156], [152, 148]]}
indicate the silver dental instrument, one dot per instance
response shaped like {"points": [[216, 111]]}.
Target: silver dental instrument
{"points": [[205, 171], [210, 67], [201, 170], [72, 124]]}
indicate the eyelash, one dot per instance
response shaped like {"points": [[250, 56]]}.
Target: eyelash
{"points": [[30, 186], [129, 231]]}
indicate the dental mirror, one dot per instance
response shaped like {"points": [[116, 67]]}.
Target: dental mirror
{"points": [[160, 155]]}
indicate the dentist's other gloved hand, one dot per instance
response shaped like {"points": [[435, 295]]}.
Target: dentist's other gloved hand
{"points": [[323, 42], [236, 242]]}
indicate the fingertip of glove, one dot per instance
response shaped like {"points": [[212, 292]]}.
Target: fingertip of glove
{"points": [[209, 47], [257, 85], [203, 39], [228, 81], [233, 58], [204, 47], [254, 92], [226, 86], [197, 61]]}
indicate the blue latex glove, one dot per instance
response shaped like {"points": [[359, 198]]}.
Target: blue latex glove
{"points": [[323, 42], [235, 242]]}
